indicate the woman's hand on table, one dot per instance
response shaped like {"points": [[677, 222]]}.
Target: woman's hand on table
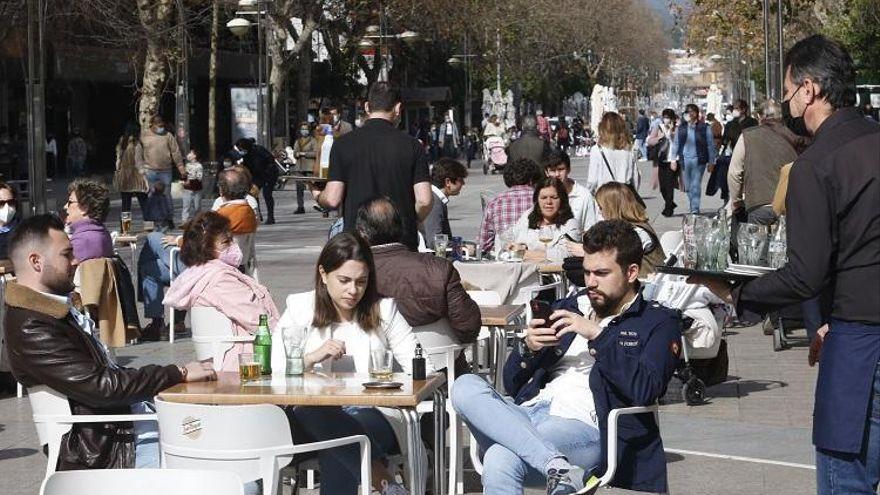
{"points": [[330, 349]]}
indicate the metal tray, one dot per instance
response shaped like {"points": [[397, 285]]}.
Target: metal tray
{"points": [[382, 385], [677, 270]]}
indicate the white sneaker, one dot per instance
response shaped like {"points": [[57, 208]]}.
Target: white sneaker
{"points": [[393, 489]]}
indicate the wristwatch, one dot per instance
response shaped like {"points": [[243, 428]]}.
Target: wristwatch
{"points": [[183, 372]]}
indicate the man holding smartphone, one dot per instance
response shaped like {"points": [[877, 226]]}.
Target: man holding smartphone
{"points": [[604, 348]]}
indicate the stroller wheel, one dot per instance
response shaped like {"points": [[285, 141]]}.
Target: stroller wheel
{"points": [[694, 391]]}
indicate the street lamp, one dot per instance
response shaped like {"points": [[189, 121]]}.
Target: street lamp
{"points": [[240, 27], [455, 61]]}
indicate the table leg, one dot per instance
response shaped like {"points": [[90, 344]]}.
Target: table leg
{"points": [[133, 268], [500, 357], [414, 451], [439, 442]]}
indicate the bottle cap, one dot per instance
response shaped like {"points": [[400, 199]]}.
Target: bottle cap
{"points": [[418, 350]]}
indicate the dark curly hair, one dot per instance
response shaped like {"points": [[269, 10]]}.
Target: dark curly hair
{"points": [[93, 198], [616, 235], [564, 213], [522, 172], [200, 238]]}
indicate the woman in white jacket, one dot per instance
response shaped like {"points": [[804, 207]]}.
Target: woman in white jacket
{"points": [[552, 214], [612, 159], [342, 319]]}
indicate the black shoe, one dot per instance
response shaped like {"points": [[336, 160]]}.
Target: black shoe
{"points": [[270, 221], [152, 332], [299, 211], [667, 212], [319, 209]]}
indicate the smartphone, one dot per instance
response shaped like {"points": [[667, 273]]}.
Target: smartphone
{"points": [[541, 310]]}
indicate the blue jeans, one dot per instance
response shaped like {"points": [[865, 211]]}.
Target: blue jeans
{"points": [[154, 274], [693, 180], [839, 473], [642, 145], [163, 176], [517, 442], [340, 467]]}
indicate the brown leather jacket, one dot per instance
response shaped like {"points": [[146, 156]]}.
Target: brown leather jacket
{"points": [[426, 289], [46, 347]]}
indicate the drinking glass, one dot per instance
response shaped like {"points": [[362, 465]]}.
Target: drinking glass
{"points": [[689, 240], [441, 241], [293, 347], [503, 247], [381, 361], [248, 366], [751, 242], [545, 236], [125, 221]]}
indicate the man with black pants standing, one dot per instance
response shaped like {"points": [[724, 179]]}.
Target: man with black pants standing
{"points": [[732, 131], [833, 209], [377, 159]]}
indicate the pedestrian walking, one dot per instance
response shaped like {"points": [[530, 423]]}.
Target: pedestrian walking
{"points": [[156, 153], [661, 150], [694, 152], [642, 128], [77, 152], [128, 179], [305, 150], [612, 158], [264, 173], [449, 138]]}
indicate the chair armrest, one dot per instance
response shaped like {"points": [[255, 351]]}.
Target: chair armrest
{"points": [[281, 450], [92, 418], [612, 437]]}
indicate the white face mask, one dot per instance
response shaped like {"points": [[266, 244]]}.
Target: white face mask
{"points": [[667, 120], [687, 117], [7, 213], [736, 114]]}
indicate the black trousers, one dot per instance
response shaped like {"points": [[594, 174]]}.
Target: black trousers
{"points": [[126, 200], [268, 189], [668, 182]]}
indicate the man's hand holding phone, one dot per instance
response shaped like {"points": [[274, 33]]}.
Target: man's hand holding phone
{"points": [[539, 334], [566, 322]]}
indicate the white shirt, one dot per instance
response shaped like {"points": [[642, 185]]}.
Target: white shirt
{"points": [[621, 162], [440, 194], [583, 205], [393, 332], [251, 201], [556, 249]]}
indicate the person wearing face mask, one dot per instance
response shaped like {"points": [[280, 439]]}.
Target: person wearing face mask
{"points": [[213, 280], [156, 154], [449, 137], [741, 120], [833, 227], [695, 151], [305, 150], [10, 217], [340, 126], [377, 159], [662, 150]]}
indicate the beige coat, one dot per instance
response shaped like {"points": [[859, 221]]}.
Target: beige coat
{"points": [[157, 152], [128, 177]]}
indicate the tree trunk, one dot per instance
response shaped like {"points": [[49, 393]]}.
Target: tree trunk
{"points": [[155, 18], [304, 82], [212, 82]]}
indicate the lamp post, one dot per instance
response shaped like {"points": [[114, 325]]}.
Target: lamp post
{"points": [[36, 106], [381, 34], [456, 60], [240, 27], [182, 99]]}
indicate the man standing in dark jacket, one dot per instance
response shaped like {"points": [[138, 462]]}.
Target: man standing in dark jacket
{"points": [[529, 145], [604, 349], [643, 125], [264, 173], [426, 288], [732, 131], [833, 210], [52, 342]]}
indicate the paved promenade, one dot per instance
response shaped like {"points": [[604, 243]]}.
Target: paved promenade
{"points": [[752, 436]]}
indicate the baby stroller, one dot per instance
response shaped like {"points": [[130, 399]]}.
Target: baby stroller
{"points": [[704, 350], [496, 156]]}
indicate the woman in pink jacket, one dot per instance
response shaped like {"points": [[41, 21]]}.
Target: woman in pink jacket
{"points": [[213, 280]]}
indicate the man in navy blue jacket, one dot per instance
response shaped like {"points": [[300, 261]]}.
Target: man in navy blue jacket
{"points": [[606, 348]]}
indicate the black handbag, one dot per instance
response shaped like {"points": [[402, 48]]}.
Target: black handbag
{"points": [[658, 151], [628, 184]]}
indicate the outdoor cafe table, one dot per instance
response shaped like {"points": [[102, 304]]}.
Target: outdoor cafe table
{"points": [[498, 319], [132, 240], [335, 389], [504, 278]]}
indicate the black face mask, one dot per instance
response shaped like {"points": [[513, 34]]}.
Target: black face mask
{"points": [[794, 124]]}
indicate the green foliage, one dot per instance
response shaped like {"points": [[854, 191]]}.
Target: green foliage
{"points": [[858, 28]]}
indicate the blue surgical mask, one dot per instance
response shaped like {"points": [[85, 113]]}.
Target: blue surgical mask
{"points": [[160, 130]]}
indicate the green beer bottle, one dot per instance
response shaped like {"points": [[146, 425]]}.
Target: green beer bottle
{"points": [[263, 346]]}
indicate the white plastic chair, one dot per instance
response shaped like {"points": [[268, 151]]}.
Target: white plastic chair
{"points": [[671, 242], [611, 459], [212, 335], [253, 441], [442, 349], [53, 419], [248, 245], [142, 482]]}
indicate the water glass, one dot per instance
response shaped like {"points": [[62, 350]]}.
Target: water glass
{"points": [[751, 242], [248, 366], [689, 240], [293, 338], [381, 361], [441, 241]]}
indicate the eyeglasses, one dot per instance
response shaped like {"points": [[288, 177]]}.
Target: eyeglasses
{"points": [[4, 202], [70, 202]]}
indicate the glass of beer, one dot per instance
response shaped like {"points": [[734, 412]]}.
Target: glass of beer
{"points": [[381, 361], [248, 366], [125, 220]]}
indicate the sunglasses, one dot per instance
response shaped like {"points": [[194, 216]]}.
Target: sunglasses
{"points": [[4, 202]]}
